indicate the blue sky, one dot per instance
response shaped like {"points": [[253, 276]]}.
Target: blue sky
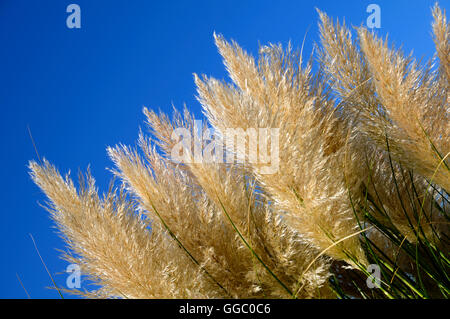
{"points": [[80, 90]]}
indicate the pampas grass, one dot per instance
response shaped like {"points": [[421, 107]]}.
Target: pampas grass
{"points": [[363, 180]]}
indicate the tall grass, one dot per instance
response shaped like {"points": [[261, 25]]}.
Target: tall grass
{"points": [[362, 183]]}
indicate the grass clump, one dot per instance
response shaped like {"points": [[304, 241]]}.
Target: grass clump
{"points": [[362, 183]]}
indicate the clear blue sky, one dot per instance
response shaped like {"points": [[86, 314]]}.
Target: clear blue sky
{"points": [[80, 90]]}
